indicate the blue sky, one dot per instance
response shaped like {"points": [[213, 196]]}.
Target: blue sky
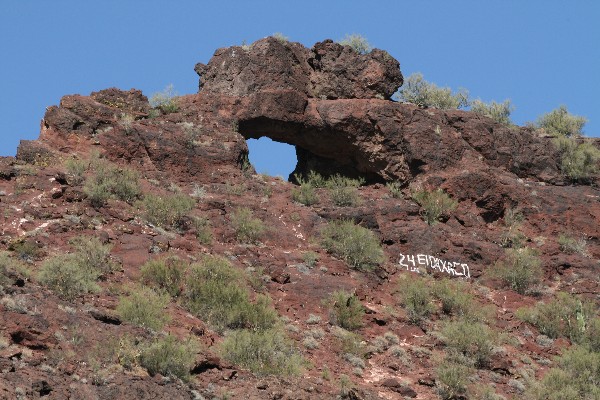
{"points": [[538, 53]]}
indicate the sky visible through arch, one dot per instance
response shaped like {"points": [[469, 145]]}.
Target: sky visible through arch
{"points": [[538, 53]]}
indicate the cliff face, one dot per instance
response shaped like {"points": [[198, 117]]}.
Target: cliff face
{"points": [[335, 106]]}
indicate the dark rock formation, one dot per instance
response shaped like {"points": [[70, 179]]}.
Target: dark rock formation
{"points": [[327, 71]]}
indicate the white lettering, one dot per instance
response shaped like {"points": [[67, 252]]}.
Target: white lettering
{"points": [[413, 262]]}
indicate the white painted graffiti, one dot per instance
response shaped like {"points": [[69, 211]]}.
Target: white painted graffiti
{"points": [[414, 262]]}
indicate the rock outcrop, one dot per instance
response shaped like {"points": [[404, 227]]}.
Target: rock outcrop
{"points": [[335, 106]]}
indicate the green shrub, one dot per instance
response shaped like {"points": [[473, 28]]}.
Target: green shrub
{"points": [[72, 274], [579, 161], [166, 100], [591, 338], [281, 37], [144, 307], [565, 315], [512, 236], [26, 250], [248, 229], [109, 181], [203, 229], [167, 211], [217, 292], [92, 254], [315, 179], [346, 310], [520, 269], [415, 296], [76, 169], [452, 380], [66, 276], [263, 352], [418, 91], [474, 340], [357, 43], [169, 356], [165, 274], [576, 376], [457, 301], [434, 204], [348, 342], [305, 193], [356, 245], [560, 122], [310, 258], [9, 269], [395, 189], [343, 190], [571, 245], [499, 112]]}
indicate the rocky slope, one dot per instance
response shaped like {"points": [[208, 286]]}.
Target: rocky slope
{"points": [[334, 106]]}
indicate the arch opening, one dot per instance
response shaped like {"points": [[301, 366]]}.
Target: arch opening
{"points": [[271, 157]]}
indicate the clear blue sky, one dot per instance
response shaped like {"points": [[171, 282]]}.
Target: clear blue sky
{"points": [[538, 53]]}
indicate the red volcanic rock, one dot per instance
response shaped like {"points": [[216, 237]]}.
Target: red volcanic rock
{"points": [[328, 70], [333, 105]]}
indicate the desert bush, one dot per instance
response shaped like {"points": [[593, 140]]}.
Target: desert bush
{"points": [[565, 315], [579, 161], [418, 91], [166, 100], [310, 258], [346, 310], [65, 275], [169, 356], [281, 37], [348, 342], [415, 296], [92, 254], [109, 181], [456, 299], [144, 307], [452, 380], [433, 204], [202, 229], [310, 342], [356, 245], [72, 274], [576, 376], [165, 274], [248, 229], [167, 211], [571, 245], [305, 193], [560, 122], [520, 269], [9, 268], [264, 352], [591, 338], [217, 292], [76, 169], [499, 112], [395, 189], [512, 235], [357, 43], [26, 250], [343, 191], [474, 340], [126, 121], [315, 179]]}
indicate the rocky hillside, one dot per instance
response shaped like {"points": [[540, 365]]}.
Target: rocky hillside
{"points": [[417, 252]]}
